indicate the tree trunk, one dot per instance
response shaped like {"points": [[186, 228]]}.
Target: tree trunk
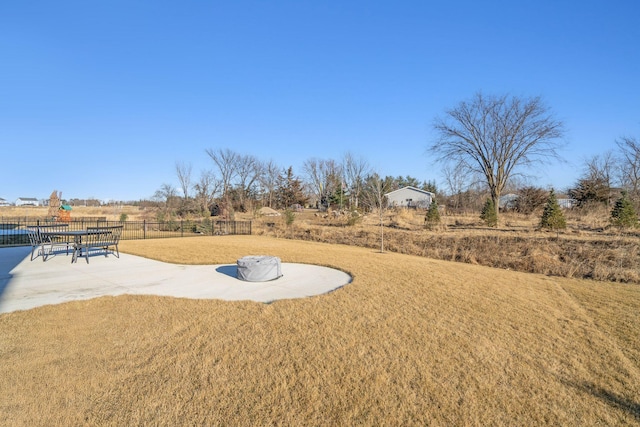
{"points": [[495, 197]]}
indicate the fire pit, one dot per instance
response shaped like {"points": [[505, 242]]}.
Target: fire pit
{"points": [[259, 268]]}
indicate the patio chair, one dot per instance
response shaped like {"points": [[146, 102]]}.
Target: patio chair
{"points": [[98, 239], [35, 239], [53, 240]]}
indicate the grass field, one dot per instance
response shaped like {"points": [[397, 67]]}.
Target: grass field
{"points": [[411, 341]]}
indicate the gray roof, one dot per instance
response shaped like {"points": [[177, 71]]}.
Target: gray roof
{"points": [[412, 188]]}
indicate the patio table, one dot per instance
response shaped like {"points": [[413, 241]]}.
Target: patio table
{"points": [[76, 234]]}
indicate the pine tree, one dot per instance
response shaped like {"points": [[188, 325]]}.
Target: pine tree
{"points": [[488, 214], [432, 218], [289, 190], [623, 214], [552, 216]]}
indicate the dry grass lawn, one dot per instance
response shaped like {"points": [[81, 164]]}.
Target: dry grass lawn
{"points": [[412, 341]]}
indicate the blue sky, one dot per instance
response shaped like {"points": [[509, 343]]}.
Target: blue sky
{"points": [[101, 99]]}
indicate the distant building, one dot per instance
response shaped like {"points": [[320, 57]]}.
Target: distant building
{"points": [[3, 202], [410, 197], [567, 203], [27, 201], [508, 201]]}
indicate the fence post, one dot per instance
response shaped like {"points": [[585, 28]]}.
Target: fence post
{"points": [[144, 229]]}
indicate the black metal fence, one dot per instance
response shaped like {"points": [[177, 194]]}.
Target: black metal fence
{"points": [[14, 233]]}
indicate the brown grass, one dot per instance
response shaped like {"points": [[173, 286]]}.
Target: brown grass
{"points": [[589, 248], [111, 213], [412, 341]]}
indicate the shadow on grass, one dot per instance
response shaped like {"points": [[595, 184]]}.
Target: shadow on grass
{"points": [[620, 402]]}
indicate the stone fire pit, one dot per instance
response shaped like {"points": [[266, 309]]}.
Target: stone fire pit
{"points": [[259, 268]]}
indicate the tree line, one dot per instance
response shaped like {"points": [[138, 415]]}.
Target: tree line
{"points": [[243, 183], [484, 144]]}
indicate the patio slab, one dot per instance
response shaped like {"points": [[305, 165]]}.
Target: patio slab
{"points": [[26, 284]]}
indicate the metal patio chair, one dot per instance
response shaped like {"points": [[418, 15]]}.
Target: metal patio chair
{"points": [[35, 239], [55, 240], [98, 239]]}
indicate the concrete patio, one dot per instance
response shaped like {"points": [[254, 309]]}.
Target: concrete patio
{"points": [[26, 284]]}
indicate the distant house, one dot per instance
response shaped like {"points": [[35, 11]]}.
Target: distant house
{"points": [[27, 201], [567, 203], [3, 202], [410, 197]]}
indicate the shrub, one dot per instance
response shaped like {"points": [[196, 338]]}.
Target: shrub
{"points": [[354, 217], [552, 216], [488, 214], [432, 218], [623, 213], [530, 199], [289, 217]]}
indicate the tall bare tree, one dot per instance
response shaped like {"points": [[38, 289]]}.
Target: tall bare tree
{"points": [[226, 161], [494, 135], [630, 165], [356, 170], [248, 173], [183, 170], [269, 182]]}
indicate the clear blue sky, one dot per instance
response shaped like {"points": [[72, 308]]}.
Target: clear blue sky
{"points": [[100, 99]]}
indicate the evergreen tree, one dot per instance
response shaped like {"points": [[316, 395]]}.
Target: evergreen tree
{"points": [[552, 216], [289, 190], [432, 217], [489, 214], [429, 186], [623, 214]]}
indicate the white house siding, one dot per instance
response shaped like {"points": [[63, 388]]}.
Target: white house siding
{"points": [[567, 203], [27, 201], [409, 197]]}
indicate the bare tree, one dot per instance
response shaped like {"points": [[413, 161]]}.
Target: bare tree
{"points": [[183, 171], [315, 179], [269, 181], [206, 189], [248, 170], [494, 135], [374, 192], [630, 165], [324, 178], [168, 195], [456, 177], [227, 163], [355, 171]]}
